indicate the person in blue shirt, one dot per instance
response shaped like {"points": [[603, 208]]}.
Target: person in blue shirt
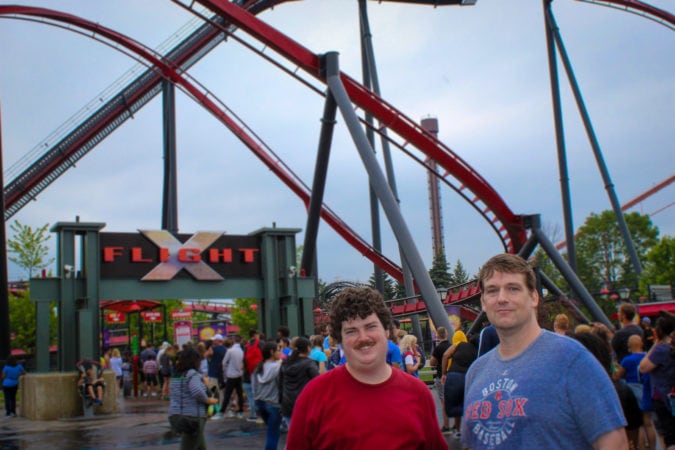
{"points": [[10, 384]]}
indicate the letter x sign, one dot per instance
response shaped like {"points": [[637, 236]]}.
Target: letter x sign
{"points": [[169, 267]]}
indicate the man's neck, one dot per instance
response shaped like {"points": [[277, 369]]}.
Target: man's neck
{"points": [[370, 377], [513, 342]]}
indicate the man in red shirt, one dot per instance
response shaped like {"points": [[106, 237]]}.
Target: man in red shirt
{"points": [[364, 403]]}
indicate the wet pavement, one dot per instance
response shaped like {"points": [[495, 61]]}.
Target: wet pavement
{"points": [[139, 423]]}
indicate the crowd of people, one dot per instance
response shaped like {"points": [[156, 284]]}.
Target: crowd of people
{"points": [[356, 383]]}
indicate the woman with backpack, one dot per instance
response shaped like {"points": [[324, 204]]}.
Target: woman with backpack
{"points": [[456, 361], [265, 383]]}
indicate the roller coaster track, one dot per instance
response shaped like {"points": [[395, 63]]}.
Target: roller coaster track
{"points": [[381, 110], [25, 187]]}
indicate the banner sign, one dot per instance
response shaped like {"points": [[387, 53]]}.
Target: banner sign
{"points": [[182, 332], [152, 316], [115, 317], [157, 255], [206, 332], [181, 314]]}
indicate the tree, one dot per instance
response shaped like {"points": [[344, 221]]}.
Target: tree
{"points": [[439, 272], [659, 266], [459, 275], [602, 258], [23, 324], [29, 247], [390, 289], [245, 315]]}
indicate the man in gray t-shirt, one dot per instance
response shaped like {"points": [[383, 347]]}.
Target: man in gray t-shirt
{"points": [[536, 389]]}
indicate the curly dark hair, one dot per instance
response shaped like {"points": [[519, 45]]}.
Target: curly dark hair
{"points": [[357, 302]]}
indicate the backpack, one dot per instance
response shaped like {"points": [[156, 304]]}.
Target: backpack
{"points": [[252, 355]]}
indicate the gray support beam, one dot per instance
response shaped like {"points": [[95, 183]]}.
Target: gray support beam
{"points": [[551, 286], [318, 186], [560, 140], [170, 191], [571, 277], [371, 80], [375, 227], [595, 145], [389, 204]]}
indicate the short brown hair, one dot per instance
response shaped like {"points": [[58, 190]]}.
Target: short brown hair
{"points": [[628, 310], [352, 303], [507, 263]]}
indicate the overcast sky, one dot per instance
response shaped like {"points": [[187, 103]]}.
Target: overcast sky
{"points": [[481, 70]]}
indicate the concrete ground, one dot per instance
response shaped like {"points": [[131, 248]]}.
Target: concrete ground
{"points": [[139, 423]]}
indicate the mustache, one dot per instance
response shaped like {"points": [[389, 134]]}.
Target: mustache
{"points": [[368, 343]]}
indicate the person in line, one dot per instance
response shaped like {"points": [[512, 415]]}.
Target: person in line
{"points": [[252, 357], [265, 384], [165, 369], [561, 324], [640, 385], [394, 355], [10, 384], [647, 332], [527, 392], [463, 354], [626, 314], [316, 354], [215, 354], [629, 404], [487, 340], [364, 403], [189, 397], [116, 366], [150, 371], [660, 364], [410, 355], [296, 371], [233, 372], [435, 362]]}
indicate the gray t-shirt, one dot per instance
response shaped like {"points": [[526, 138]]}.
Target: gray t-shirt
{"points": [[553, 395]]}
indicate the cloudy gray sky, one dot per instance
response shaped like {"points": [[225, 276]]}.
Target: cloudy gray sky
{"points": [[481, 70]]}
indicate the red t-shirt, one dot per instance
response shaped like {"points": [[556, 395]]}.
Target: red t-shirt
{"points": [[335, 411]]}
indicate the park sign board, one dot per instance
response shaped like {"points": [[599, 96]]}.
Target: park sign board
{"points": [[158, 255]]}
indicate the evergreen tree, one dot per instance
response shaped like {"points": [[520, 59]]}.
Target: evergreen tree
{"points": [[390, 290], [459, 275], [439, 272]]}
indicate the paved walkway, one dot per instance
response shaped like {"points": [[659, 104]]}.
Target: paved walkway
{"points": [[139, 423]]}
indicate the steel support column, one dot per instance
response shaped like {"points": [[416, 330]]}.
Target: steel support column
{"points": [[371, 80], [318, 186], [551, 286], [386, 197], [560, 140], [595, 145], [170, 191], [569, 274]]}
